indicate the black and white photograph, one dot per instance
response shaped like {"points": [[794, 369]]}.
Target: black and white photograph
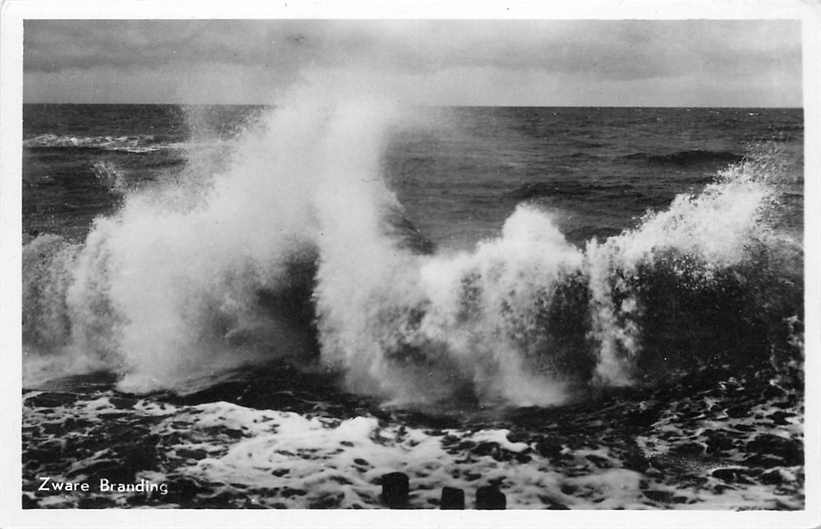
{"points": [[412, 263]]}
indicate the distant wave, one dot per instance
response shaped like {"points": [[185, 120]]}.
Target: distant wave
{"points": [[689, 157], [569, 188], [133, 144], [138, 144]]}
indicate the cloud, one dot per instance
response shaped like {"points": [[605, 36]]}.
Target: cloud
{"points": [[179, 55]]}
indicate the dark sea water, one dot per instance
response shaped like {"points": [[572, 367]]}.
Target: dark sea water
{"points": [[273, 307]]}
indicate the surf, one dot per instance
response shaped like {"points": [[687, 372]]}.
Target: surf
{"points": [[295, 248]]}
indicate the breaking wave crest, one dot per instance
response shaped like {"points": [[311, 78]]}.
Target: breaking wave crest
{"points": [[298, 250]]}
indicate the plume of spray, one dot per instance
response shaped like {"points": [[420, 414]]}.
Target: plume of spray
{"points": [[157, 290]]}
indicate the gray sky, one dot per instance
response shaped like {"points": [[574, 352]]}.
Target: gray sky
{"points": [[679, 63]]}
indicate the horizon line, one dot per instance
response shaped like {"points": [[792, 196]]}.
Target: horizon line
{"points": [[779, 107]]}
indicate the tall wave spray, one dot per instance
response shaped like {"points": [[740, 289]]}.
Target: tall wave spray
{"points": [[298, 247]]}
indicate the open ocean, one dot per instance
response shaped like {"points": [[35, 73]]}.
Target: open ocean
{"points": [[587, 308]]}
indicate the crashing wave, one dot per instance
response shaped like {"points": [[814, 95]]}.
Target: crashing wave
{"points": [[299, 250]]}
